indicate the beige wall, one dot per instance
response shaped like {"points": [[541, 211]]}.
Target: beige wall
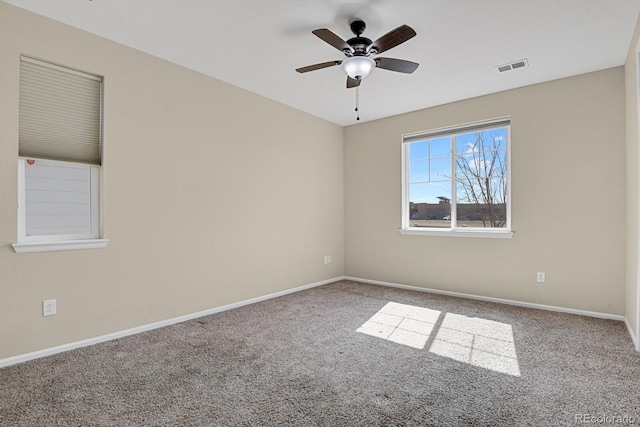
{"points": [[568, 160], [212, 195], [631, 98]]}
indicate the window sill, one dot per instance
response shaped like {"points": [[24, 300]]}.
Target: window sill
{"points": [[60, 245], [494, 234]]}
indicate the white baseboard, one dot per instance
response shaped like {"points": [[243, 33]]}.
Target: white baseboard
{"points": [[636, 344], [103, 338], [83, 343], [491, 299]]}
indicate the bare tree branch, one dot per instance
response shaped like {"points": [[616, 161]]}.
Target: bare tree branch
{"points": [[481, 177]]}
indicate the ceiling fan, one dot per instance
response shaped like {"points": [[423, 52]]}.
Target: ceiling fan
{"points": [[358, 50]]}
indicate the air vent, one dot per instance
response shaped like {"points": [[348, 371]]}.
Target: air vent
{"points": [[513, 66]]}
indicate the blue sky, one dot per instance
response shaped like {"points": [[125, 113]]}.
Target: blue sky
{"points": [[430, 162]]}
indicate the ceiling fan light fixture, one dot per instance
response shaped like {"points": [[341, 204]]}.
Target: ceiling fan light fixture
{"points": [[358, 67]]}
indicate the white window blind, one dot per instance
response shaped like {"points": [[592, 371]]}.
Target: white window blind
{"points": [[60, 199], [60, 113]]}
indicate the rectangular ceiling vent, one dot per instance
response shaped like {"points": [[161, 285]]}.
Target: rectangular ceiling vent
{"points": [[513, 65]]}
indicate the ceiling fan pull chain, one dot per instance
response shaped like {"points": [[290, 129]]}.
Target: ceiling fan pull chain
{"points": [[358, 102]]}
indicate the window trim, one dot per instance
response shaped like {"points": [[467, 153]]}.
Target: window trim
{"points": [[457, 232], [60, 245], [407, 139]]}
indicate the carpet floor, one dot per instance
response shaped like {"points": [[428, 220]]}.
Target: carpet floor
{"points": [[343, 354]]}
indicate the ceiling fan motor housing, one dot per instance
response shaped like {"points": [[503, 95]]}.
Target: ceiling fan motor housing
{"points": [[359, 45]]}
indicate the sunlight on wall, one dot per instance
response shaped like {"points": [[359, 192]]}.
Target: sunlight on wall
{"points": [[480, 342]]}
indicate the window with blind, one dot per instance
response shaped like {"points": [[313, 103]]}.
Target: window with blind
{"points": [[60, 147], [456, 180]]}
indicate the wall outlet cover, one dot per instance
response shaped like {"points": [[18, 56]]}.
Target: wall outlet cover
{"points": [[49, 307]]}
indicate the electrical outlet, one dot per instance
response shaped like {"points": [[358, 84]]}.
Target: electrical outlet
{"points": [[49, 307], [540, 277], [327, 259]]}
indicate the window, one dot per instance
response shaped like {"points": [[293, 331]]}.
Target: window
{"points": [[456, 181], [60, 144]]}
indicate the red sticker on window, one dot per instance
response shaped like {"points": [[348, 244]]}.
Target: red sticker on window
{"points": [[31, 162]]}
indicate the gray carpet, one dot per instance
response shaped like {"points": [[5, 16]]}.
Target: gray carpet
{"points": [[343, 354]]}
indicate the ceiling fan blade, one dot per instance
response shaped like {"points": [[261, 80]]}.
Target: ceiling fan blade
{"points": [[318, 66], [352, 82], [399, 65], [334, 40], [392, 39]]}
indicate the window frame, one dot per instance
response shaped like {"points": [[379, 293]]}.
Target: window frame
{"points": [[61, 242], [453, 131]]}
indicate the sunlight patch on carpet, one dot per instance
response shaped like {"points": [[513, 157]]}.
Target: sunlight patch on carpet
{"points": [[480, 342], [401, 323]]}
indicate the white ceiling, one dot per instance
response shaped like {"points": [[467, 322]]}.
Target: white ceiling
{"points": [[257, 44]]}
